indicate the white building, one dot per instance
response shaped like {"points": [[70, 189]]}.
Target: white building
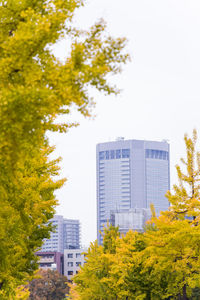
{"points": [[66, 235], [131, 174], [134, 219], [73, 260]]}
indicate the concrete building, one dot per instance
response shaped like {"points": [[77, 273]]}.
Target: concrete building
{"points": [[131, 174], [73, 260], [65, 236], [71, 234], [134, 218], [51, 260]]}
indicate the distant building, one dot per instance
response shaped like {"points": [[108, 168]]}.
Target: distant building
{"points": [[71, 234], [73, 260], [65, 236], [134, 219], [51, 260], [131, 174]]}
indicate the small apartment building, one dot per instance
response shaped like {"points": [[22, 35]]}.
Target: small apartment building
{"points": [[51, 260], [73, 260]]}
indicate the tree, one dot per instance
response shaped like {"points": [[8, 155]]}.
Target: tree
{"points": [[185, 202], [50, 285], [174, 248], [35, 88], [93, 280], [173, 257]]}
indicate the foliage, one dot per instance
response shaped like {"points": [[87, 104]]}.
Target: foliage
{"points": [[185, 202], [22, 293], [93, 280], [49, 285], [35, 88]]}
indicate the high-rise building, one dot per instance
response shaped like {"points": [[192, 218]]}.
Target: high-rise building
{"points": [[66, 235], [131, 174], [71, 234]]}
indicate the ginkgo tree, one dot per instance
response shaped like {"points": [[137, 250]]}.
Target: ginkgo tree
{"points": [[185, 201], [35, 88]]}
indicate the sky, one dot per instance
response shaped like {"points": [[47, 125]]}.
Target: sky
{"points": [[160, 96]]}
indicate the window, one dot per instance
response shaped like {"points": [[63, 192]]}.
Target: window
{"points": [[118, 153], [157, 154], [70, 255], [78, 255], [70, 264], [78, 263], [112, 154], [70, 273], [125, 153], [101, 155], [107, 154]]}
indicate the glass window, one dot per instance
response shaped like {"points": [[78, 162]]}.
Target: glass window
{"points": [[70, 264], [125, 153], [112, 154], [78, 255], [107, 154], [78, 263], [70, 272], [164, 155], [101, 155], [70, 255], [167, 155], [156, 153], [118, 153]]}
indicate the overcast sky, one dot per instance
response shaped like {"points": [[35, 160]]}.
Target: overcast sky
{"points": [[160, 96]]}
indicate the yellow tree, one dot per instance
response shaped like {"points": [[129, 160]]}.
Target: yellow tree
{"points": [[35, 87], [93, 281], [173, 246], [172, 256], [185, 201]]}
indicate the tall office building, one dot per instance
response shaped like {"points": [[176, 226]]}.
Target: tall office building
{"points": [[131, 174], [65, 236]]}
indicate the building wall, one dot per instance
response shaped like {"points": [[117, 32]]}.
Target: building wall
{"points": [[66, 235], [51, 260], [133, 219], [73, 260], [130, 174], [71, 230], [55, 242]]}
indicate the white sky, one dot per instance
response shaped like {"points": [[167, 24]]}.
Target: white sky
{"points": [[160, 97]]}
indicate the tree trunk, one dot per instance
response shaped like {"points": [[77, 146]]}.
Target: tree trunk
{"points": [[184, 293]]}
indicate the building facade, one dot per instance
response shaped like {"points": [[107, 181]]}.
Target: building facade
{"points": [[66, 235], [134, 218], [131, 174], [73, 260], [51, 260]]}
